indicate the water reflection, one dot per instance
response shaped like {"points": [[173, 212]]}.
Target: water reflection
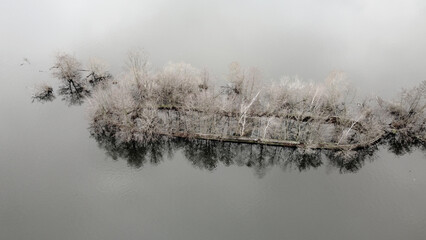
{"points": [[44, 99], [135, 153], [208, 155], [73, 96], [351, 161], [43, 93], [400, 144]]}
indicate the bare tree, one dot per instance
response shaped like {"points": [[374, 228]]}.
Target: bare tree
{"points": [[68, 69], [98, 73], [180, 101], [43, 93]]}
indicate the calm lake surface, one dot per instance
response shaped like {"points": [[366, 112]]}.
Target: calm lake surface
{"points": [[58, 182]]}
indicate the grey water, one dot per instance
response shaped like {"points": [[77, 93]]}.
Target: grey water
{"points": [[58, 182]]}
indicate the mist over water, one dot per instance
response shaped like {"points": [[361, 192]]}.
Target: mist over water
{"points": [[379, 44], [58, 182]]}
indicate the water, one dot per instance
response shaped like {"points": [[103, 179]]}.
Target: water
{"points": [[58, 182]]}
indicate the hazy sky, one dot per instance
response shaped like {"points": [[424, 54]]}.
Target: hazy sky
{"points": [[374, 42]]}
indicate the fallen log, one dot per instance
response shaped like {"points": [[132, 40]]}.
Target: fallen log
{"points": [[274, 142]]}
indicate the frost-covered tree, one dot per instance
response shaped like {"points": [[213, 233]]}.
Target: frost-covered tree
{"points": [[139, 75], [43, 93], [176, 82], [408, 113], [179, 100], [68, 69], [98, 72]]}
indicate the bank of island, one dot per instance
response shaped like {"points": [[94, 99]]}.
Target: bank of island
{"points": [[180, 101]]}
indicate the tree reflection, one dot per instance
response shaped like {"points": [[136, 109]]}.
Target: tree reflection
{"points": [[43, 93], [73, 95], [351, 161], [44, 99], [400, 144], [135, 153], [302, 159], [208, 155]]}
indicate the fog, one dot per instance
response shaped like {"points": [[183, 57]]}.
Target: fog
{"points": [[58, 182], [379, 44]]}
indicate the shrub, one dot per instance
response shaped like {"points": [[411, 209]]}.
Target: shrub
{"points": [[43, 92], [68, 69]]}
